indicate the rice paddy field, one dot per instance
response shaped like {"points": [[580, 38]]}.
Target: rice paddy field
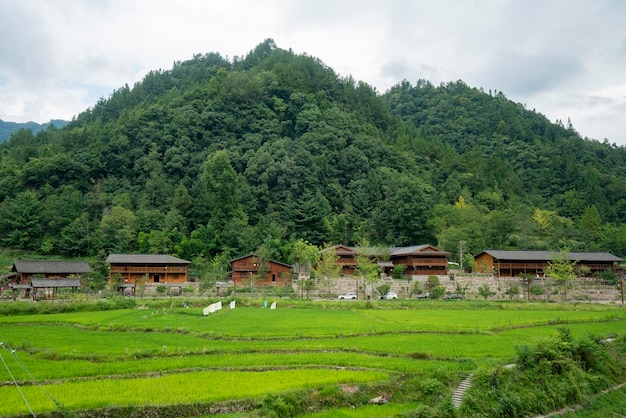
{"points": [[328, 358]]}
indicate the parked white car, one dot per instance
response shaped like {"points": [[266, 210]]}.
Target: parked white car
{"points": [[390, 295], [347, 296]]}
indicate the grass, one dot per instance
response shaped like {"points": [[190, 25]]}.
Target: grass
{"points": [[165, 355], [612, 404], [167, 389]]}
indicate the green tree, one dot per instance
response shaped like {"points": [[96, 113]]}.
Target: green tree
{"points": [[512, 290], [327, 269], [222, 185], [21, 221], [368, 268], [75, 238], [527, 278], [416, 289], [116, 230], [304, 255], [485, 291], [562, 270], [398, 272], [382, 290], [591, 226]]}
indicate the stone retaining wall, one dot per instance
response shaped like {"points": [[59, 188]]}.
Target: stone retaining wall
{"points": [[578, 289], [583, 289]]}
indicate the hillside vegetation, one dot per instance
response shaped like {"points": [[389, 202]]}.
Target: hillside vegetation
{"points": [[217, 158]]}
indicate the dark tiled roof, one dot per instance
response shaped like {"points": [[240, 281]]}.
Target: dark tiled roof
{"points": [[144, 259], [418, 249], [51, 267], [424, 249], [252, 255], [55, 283], [550, 256]]}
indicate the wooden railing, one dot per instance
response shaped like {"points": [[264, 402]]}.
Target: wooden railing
{"points": [[518, 266], [147, 269]]}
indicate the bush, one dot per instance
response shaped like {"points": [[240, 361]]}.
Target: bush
{"points": [[555, 372]]}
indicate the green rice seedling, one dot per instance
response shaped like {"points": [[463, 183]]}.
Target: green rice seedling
{"points": [[173, 389]]}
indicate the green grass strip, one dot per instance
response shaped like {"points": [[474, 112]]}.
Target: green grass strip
{"points": [[180, 388]]}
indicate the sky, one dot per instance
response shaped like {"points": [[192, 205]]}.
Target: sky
{"points": [[565, 59]]}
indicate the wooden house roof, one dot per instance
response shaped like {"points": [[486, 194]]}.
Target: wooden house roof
{"points": [[417, 249], [340, 249], [425, 249], [55, 283], [144, 259], [523, 255], [51, 267], [252, 255]]}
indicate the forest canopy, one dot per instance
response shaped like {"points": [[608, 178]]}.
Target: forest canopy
{"points": [[218, 157]]}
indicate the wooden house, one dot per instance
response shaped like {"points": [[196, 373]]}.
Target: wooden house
{"points": [[44, 278], [423, 259], [511, 263], [246, 270], [147, 268], [420, 260]]}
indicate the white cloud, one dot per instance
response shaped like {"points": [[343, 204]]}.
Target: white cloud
{"points": [[562, 58]]}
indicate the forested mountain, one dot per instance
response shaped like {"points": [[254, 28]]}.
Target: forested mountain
{"points": [[218, 157], [8, 128]]}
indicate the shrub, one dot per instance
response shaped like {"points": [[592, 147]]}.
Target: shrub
{"points": [[549, 375], [485, 291]]}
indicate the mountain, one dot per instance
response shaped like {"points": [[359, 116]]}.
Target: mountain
{"points": [[7, 128], [215, 158]]}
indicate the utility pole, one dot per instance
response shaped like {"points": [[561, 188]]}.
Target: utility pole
{"points": [[461, 256], [620, 276]]}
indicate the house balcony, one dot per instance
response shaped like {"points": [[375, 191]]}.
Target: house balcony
{"points": [[147, 269]]}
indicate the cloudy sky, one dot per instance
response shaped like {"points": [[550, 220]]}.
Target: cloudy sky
{"points": [[563, 58]]}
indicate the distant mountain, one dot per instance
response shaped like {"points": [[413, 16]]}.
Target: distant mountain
{"points": [[7, 128]]}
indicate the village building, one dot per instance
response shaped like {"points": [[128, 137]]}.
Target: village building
{"points": [[251, 270], [44, 278], [129, 270], [416, 260], [513, 263]]}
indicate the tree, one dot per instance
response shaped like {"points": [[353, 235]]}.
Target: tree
{"points": [[512, 290], [527, 278], [116, 229], [21, 221], [222, 185], [398, 272], [306, 285], [591, 225], [485, 291], [435, 290], [562, 270], [304, 255], [327, 268], [382, 290], [368, 269], [75, 238], [416, 289]]}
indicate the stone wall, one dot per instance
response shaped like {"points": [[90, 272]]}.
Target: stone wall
{"points": [[583, 289]]}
